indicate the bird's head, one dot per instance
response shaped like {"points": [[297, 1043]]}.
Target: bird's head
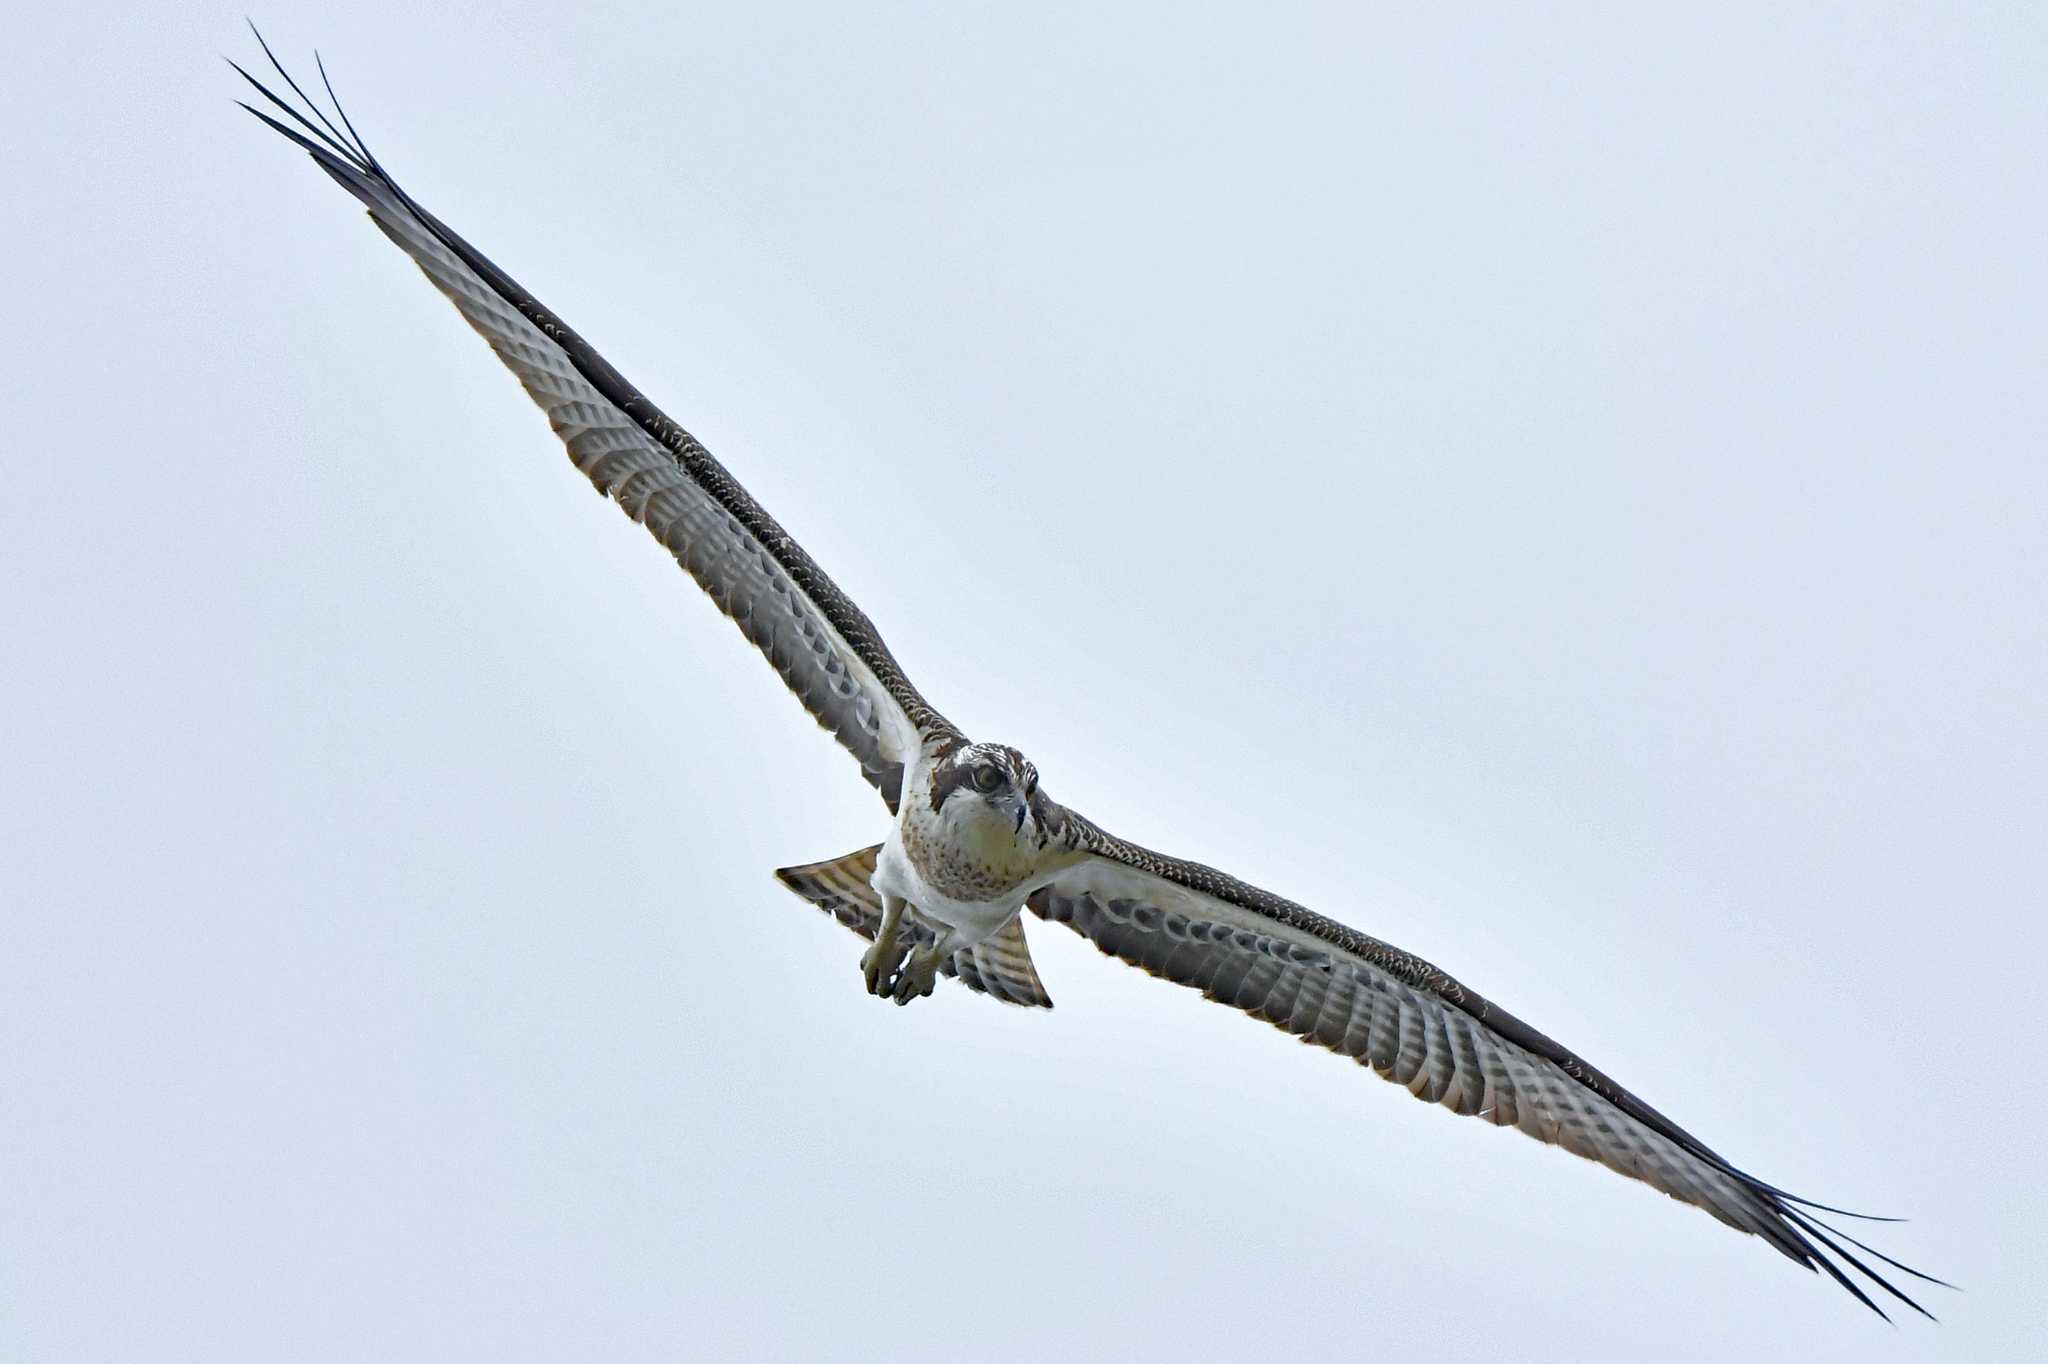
{"points": [[989, 790]]}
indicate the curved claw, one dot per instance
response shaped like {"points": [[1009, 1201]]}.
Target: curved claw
{"points": [[920, 970], [879, 967]]}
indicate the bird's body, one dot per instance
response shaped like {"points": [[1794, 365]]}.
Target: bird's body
{"points": [[963, 858], [965, 853], [974, 842]]}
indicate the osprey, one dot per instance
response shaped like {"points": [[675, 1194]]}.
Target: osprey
{"points": [[974, 838]]}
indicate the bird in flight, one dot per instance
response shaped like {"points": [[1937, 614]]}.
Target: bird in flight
{"points": [[974, 839]]}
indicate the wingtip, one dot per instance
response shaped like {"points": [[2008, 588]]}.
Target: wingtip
{"points": [[1824, 1248]]}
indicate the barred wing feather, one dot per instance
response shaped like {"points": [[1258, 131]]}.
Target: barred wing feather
{"points": [[1413, 1024], [826, 650]]}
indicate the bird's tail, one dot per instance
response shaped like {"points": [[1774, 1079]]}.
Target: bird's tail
{"points": [[999, 968]]}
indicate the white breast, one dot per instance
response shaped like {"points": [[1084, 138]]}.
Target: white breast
{"points": [[975, 920]]}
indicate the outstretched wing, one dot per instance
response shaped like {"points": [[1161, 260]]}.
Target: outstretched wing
{"points": [[1414, 1025], [824, 647]]}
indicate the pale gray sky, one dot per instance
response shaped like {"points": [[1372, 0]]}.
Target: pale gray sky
{"points": [[1560, 491]]}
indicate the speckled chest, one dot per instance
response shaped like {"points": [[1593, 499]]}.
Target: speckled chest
{"points": [[953, 867]]}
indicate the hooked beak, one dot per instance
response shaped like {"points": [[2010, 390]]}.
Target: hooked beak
{"points": [[1023, 809]]}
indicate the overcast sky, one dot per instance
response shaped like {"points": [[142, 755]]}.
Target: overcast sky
{"points": [[1563, 493]]}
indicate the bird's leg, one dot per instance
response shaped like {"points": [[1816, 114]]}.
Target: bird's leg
{"points": [[921, 967], [879, 964]]}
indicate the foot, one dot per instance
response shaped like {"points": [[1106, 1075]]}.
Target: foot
{"points": [[921, 969], [880, 964]]}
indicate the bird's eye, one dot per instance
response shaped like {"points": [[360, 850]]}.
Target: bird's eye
{"points": [[988, 777]]}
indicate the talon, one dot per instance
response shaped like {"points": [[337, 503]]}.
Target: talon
{"points": [[902, 963], [878, 973], [880, 965]]}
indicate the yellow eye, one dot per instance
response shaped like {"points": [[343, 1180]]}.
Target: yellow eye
{"points": [[988, 777]]}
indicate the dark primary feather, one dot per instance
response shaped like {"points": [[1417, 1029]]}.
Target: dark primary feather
{"points": [[824, 646]]}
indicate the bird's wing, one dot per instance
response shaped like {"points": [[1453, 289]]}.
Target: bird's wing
{"points": [[999, 967], [1413, 1024], [824, 647]]}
